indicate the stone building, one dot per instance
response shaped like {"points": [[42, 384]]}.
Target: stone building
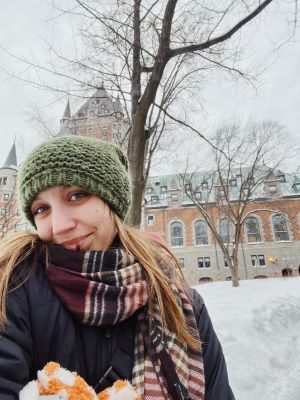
{"points": [[100, 116], [270, 244], [10, 216]]}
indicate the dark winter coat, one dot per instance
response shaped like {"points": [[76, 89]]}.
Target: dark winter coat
{"points": [[41, 329]]}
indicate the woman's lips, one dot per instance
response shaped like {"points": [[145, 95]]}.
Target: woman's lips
{"points": [[75, 244]]}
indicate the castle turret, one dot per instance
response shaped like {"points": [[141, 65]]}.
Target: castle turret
{"points": [[8, 174], [66, 122], [11, 159]]}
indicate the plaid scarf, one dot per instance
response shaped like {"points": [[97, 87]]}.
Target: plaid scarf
{"points": [[104, 288]]}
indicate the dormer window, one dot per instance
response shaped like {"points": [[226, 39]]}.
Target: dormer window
{"points": [[251, 181], [204, 185], [154, 200], [296, 187], [281, 178], [174, 197], [246, 192], [233, 183], [149, 190], [187, 187], [198, 196], [272, 189], [163, 189], [221, 194]]}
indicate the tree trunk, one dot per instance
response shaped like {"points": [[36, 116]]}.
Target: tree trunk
{"points": [[234, 271], [136, 156]]}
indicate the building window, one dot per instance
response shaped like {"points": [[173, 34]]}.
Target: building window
{"points": [[149, 190], [254, 261], [296, 187], [5, 197], [280, 227], [163, 189], [221, 194], [150, 220], [17, 228], [261, 260], [187, 187], [225, 230], [204, 262], [258, 261], [204, 185], [252, 229], [154, 200], [272, 189], [281, 178], [201, 232], [233, 182], [176, 234], [250, 181], [3, 212], [246, 192], [4, 181], [181, 262], [174, 197], [198, 196]]}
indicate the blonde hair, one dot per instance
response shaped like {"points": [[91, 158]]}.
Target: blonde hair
{"points": [[154, 256], [13, 250], [160, 265]]}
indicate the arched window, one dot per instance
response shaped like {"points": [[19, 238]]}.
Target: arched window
{"points": [[225, 230], [201, 233], [280, 227], [176, 234], [252, 229]]}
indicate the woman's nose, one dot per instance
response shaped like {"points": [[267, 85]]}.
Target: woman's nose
{"points": [[62, 221]]}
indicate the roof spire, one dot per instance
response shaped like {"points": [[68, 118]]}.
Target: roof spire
{"points": [[67, 113], [11, 160]]}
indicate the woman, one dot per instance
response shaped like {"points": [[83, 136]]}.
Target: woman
{"points": [[93, 294]]}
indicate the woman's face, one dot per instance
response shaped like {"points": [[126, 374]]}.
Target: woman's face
{"points": [[74, 218]]}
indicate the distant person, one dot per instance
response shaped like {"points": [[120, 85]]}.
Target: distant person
{"points": [[94, 295]]}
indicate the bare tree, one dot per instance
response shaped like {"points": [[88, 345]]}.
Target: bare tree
{"points": [[242, 173], [154, 54], [41, 123]]}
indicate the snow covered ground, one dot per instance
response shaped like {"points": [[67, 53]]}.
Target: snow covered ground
{"points": [[258, 325]]}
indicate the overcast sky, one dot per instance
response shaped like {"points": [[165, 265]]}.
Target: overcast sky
{"points": [[23, 25]]}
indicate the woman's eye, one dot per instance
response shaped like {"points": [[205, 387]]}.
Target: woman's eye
{"points": [[39, 210], [77, 196]]}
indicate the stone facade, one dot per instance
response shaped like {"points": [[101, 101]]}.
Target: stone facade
{"points": [[100, 116], [269, 254]]}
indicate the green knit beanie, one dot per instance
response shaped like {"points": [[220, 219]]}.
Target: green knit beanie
{"points": [[92, 164]]}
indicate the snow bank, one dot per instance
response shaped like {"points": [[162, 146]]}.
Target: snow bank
{"points": [[258, 325]]}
